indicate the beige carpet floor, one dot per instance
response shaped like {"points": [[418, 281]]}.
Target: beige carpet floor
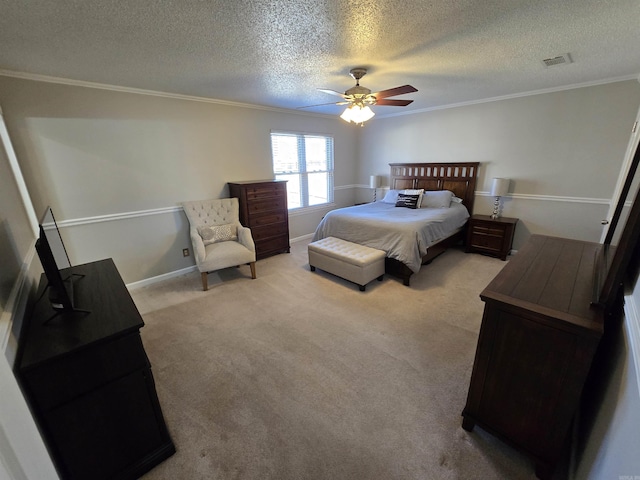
{"points": [[299, 375]]}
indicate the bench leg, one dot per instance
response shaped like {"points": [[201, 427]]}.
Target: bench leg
{"points": [[380, 278], [313, 269], [362, 287]]}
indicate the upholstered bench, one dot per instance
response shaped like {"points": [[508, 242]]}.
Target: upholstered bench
{"points": [[353, 262]]}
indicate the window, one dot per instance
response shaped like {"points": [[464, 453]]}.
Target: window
{"points": [[306, 162]]}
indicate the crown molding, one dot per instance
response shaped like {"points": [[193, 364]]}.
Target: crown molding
{"points": [[140, 91], [192, 98], [516, 95]]}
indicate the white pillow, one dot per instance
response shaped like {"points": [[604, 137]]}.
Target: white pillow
{"points": [[391, 196], [415, 191], [436, 199], [218, 233], [456, 199]]}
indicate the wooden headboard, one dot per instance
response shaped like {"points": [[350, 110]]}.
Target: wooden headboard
{"points": [[460, 178]]}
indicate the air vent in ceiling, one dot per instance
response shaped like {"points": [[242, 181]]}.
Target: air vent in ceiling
{"points": [[563, 59]]}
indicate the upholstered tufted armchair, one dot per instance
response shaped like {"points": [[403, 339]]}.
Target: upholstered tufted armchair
{"points": [[219, 240]]}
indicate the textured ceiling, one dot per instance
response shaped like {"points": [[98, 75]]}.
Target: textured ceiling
{"points": [[277, 53]]}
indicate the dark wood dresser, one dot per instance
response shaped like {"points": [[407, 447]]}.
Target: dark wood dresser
{"points": [[537, 341], [263, 208], [491, 236], [88, 380]]}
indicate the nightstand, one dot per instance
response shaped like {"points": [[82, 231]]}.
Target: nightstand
{"points": [[491, 236]]}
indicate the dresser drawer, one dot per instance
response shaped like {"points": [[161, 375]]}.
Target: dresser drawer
{"points": [[486, 241], [75, 375], [489, 229], [260, 219], [267, 231], [278, 204], [266, 190], [272, 245]]}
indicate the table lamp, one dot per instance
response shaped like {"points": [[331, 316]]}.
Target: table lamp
{"points": [[374, 182], [499, 188]]}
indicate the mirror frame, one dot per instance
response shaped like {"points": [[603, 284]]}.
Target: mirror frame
{"points": [[614, 260]]}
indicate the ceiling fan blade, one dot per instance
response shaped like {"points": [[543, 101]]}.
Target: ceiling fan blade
{"points": [[332, 92], [395, 103], [322, 104], [392, 92]]}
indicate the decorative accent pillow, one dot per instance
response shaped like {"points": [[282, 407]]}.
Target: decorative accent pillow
{"points": [[415, 191], [218, 233], [391, 196], [436, 199], [409, 201]]}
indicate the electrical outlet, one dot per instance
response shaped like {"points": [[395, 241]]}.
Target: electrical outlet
{"points": [[185, 252]]}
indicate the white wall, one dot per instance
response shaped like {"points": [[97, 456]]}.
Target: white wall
{"points": [[562, 151], [612, 446], [97, 155], [22, 451]]}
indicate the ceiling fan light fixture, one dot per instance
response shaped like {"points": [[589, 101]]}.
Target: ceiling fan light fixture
{"points": [[359, 98], [357, 114]]}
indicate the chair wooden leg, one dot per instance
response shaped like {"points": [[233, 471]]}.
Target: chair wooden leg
{"points": [[253, 269], [205, 287]]}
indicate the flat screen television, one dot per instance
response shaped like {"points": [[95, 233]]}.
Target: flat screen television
{"points": [[55, 262]]}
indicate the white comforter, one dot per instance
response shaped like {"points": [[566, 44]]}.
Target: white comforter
{"points": [[403, 233]]}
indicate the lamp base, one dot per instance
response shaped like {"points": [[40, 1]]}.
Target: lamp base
{"points": [[496, 209]]}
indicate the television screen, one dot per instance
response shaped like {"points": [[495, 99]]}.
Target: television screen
{"points": [[53, 256], [54, 239]]}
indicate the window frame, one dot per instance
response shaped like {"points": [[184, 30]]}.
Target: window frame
{"points": [[302, 171]]}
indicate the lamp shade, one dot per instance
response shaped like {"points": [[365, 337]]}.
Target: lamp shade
{"points": [[500, 187], [374, 181]]}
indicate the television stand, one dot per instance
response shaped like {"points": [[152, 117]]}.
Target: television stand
{"points": [[89, 383], [59, 307]]}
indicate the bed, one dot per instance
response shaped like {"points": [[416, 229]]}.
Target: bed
{"points": [[409, 237]]}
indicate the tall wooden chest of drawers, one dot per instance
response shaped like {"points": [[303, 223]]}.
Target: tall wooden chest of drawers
{"points": [[263, 208]]}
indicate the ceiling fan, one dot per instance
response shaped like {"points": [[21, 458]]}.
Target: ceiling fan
{"points": [[359, 98]]}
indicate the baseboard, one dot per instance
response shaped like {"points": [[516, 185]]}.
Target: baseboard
{"points": [[303, 238], [165, 276]]}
